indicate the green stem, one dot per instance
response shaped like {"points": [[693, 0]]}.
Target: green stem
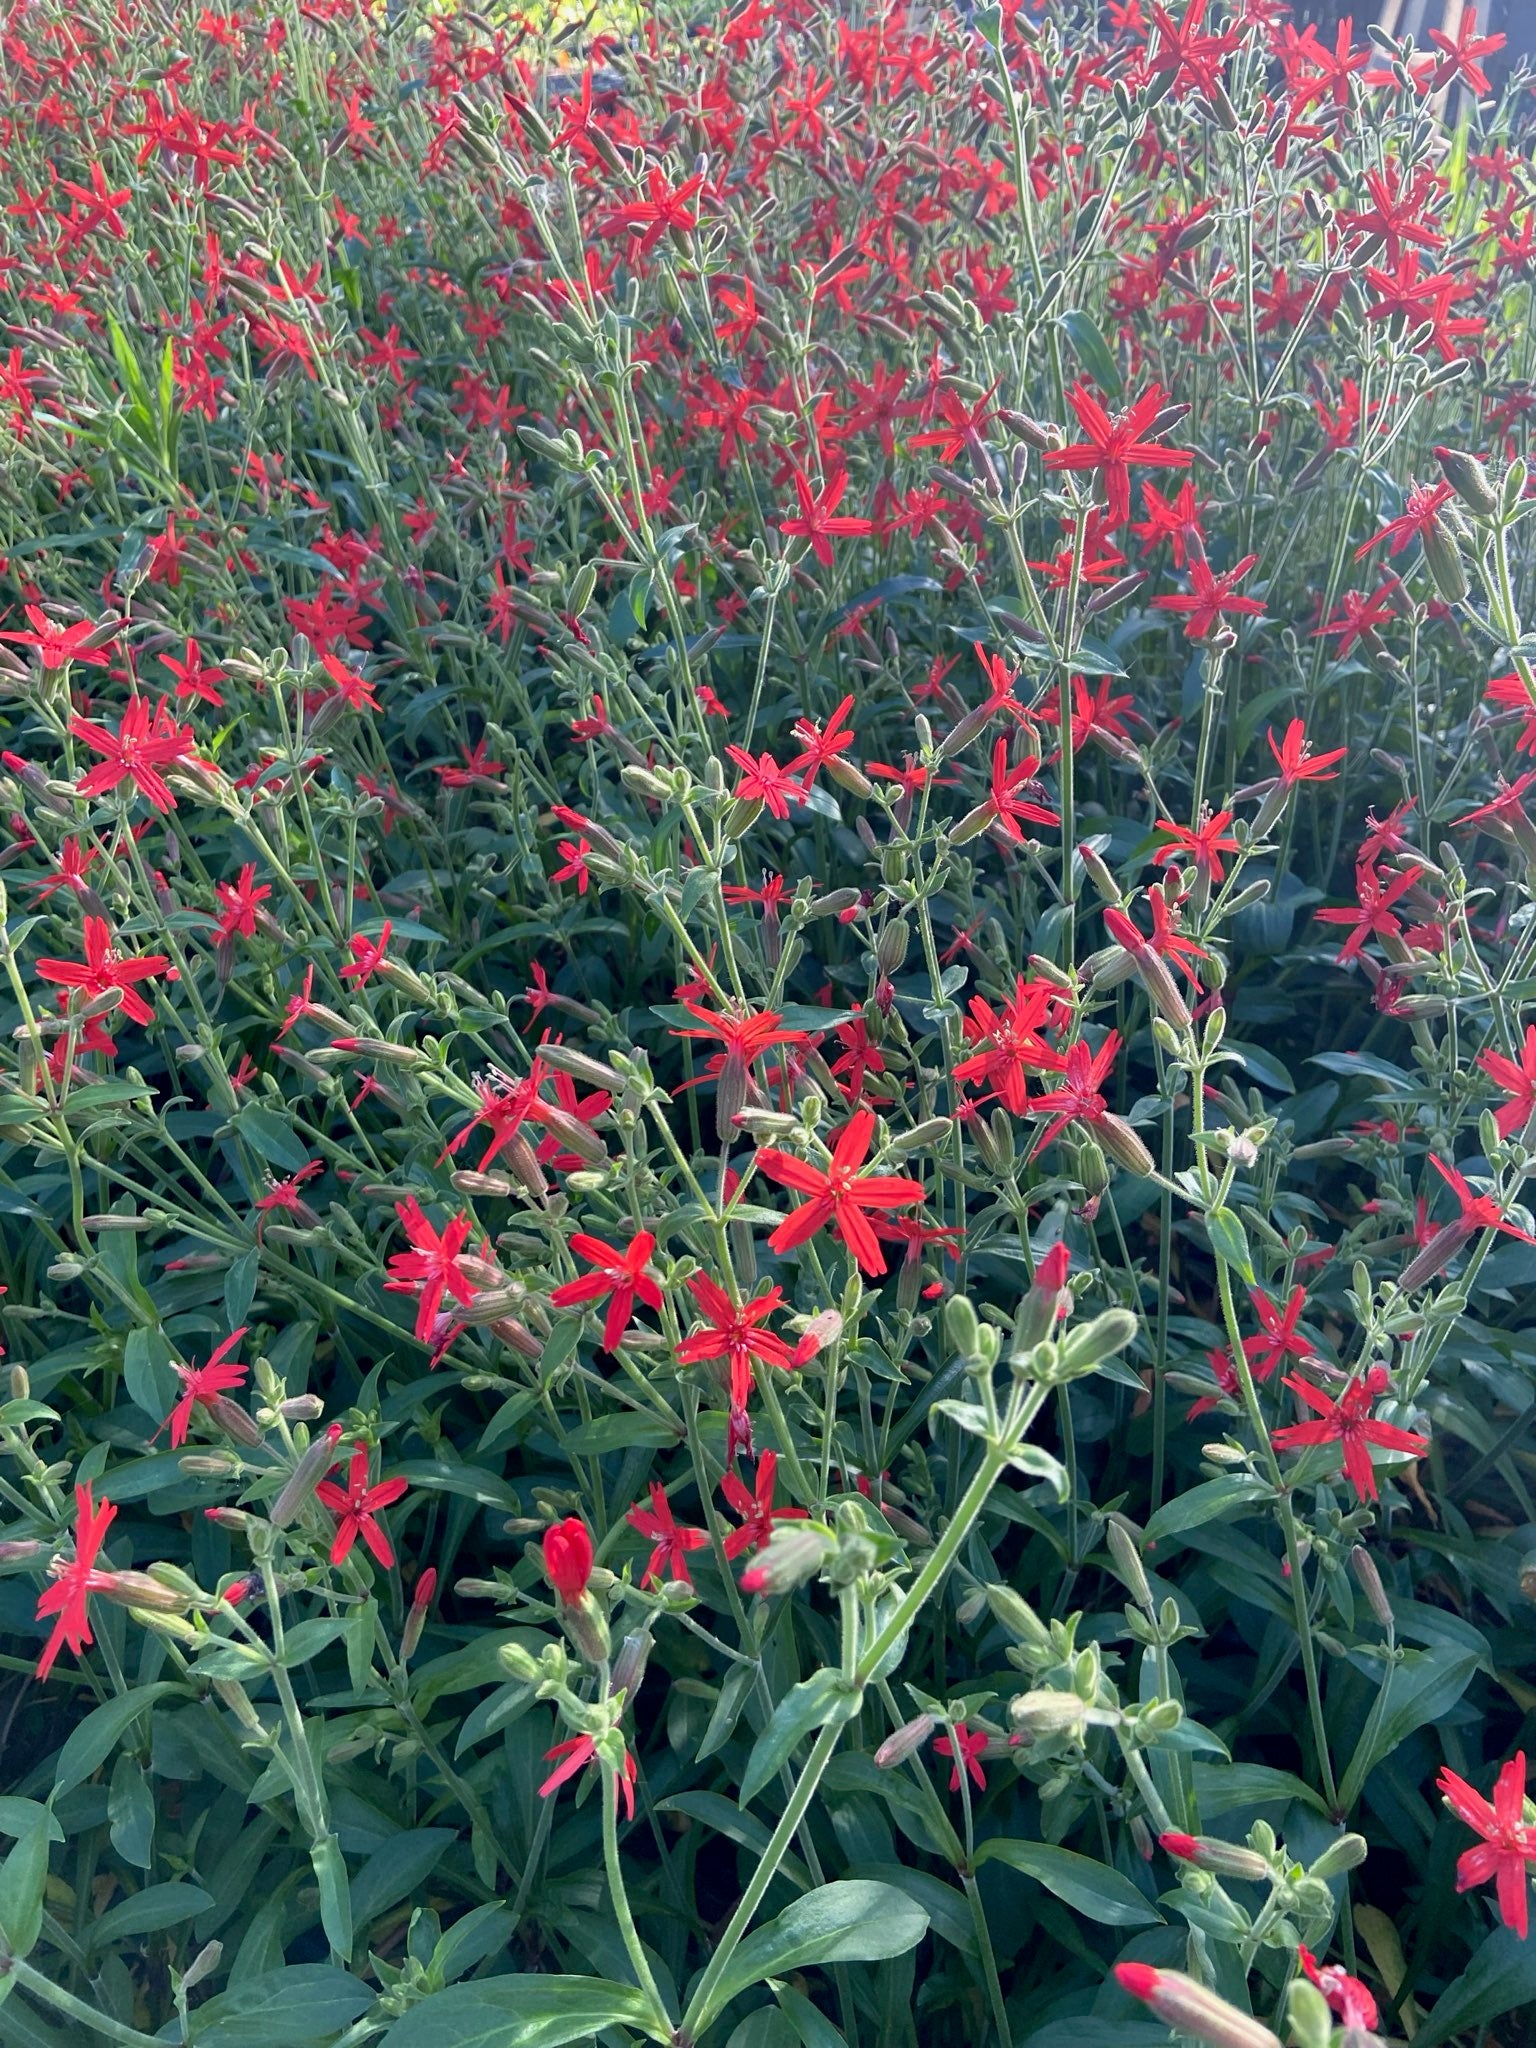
{"points": [[620, 1896]]}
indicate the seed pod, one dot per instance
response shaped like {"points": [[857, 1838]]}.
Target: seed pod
{"points": [[1447, 571], [1123, 1146]]}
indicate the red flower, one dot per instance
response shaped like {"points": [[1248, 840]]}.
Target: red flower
{"points": [[1460, 58], [103, 969], [1296, 762], [621, 1275], [1518, 1079], [568, 1558], [756, 1508], [368, 955], [1350, 1999], [1211, 597], [578, 1750], [821, 747], [665, 210], [1348, 1422], [241, 899], [818, 517], [1278, 1338], [965, 1749], [744, 1033], [839, 1194], [203, 1383], [764, 782], [1508, 1844], [1205, 842], [1078, 1100], [1374, 915], [193, 678], [68, 1596], [1004, 807], [1114, 442], [137, 751], [357, 1508], [1418, 517], [672, 1539], [1011, 1041], [1194, 59], [58, 645], [737, 1332], [432, 1263]]}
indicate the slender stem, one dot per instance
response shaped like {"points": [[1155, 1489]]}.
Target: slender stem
{"points": [[74, 2008], [701, 2007], [619, 1894]]}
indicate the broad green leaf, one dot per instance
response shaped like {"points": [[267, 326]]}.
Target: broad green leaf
{"points": [[767, 2027], [521, 2012], [625, 1432], [330, 1868], [1500, 1978], [1203, 1503], [1092, 1888], [855, 1921], [1230, 1240], [23, 1875], [270, 1138], [147, 1911], [1223, 1788], [827, 1696], [1092, 351], [812, 2027], [721, 1815], [304, 2003], [1425, 1685], [131, 1812], [394, 1872], [99, 1734]]}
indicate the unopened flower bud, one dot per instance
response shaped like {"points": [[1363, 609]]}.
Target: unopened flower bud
{"points": [[1189, 2008], [1044, 1715], [1347, 1853], [905, 1742], [518, 1662], [791, 1556], [1369, 1580], [629, 1665], [1133, 1574], [1209, 1852], [1014, 1613], [305, 1477]]}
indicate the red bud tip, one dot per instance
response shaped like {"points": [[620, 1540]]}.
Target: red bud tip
{"points": [[1176, 1844], [1139, 1979]]}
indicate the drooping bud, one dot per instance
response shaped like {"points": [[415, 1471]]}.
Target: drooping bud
{"points": [[905, 1742], [1369, 1578]]}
